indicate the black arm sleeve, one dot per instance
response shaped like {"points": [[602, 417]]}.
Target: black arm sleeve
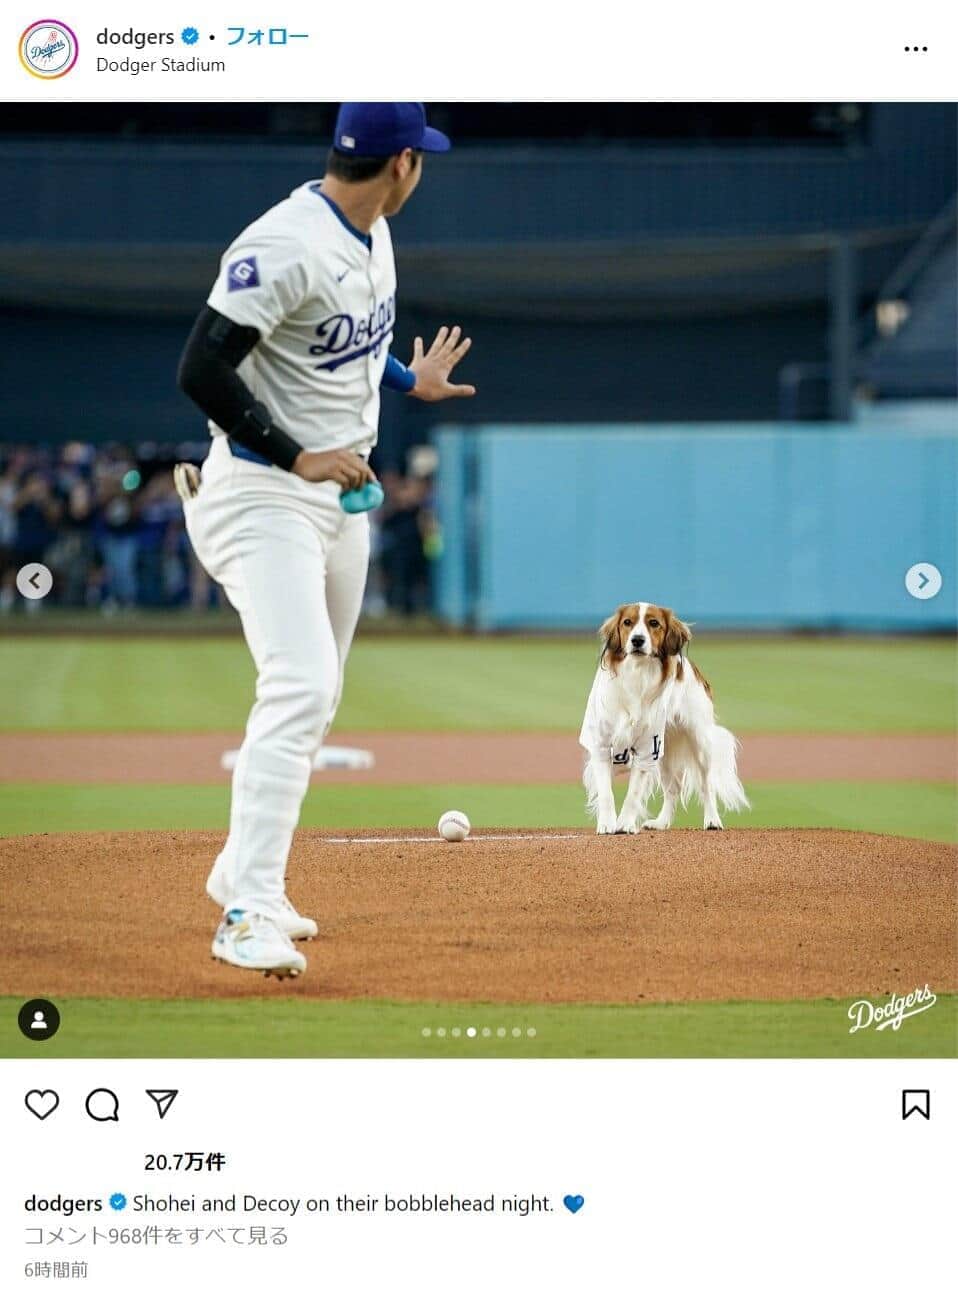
{"points": [[207, 374]]}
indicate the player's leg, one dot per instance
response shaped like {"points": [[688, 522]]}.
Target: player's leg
{"points": [[281, 600], [269, 554], [280, 595], [347, 565]]}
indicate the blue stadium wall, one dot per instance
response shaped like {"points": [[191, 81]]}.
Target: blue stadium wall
{"points": [[759, 526]]}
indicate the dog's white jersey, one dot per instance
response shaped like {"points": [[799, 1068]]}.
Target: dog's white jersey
{"points": [[324, 303], [629, 717], [630, 726]]}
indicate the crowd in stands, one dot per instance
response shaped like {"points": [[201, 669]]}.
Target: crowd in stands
{"points": [[107, 521]]}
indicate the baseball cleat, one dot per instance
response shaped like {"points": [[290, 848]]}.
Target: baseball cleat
{"points": [[292, 923], [256, 943]]}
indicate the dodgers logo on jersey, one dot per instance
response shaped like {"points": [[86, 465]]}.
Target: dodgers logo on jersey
{"points": [[48, 49], [623, 758], [344, 337], [242, 274]]}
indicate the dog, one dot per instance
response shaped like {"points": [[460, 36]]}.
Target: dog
{"points": [[650, 713]]}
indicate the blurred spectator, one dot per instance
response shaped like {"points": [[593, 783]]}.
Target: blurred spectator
{"points": [[116, 528], [9, 479], [109, 524], [159, 515], [35, 513], [73, 555], [407, 532]]}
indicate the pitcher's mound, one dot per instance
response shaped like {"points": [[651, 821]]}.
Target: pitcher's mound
{"points": [[507, 916]]}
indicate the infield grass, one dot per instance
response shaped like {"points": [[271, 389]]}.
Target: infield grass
{"points": [[924, 810], [786, 684], [300, 1027]]}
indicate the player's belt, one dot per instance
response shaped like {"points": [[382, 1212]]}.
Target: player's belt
{"points": [[244, 453]]}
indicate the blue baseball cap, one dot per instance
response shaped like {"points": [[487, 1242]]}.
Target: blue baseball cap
{"points": [[381, 130]]}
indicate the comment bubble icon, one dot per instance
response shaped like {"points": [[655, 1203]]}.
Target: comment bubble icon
{"points": [[102, 1104]]}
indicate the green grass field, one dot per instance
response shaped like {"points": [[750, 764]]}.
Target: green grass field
{"points": [[291, 1027], [925, 810], [111, 683]]}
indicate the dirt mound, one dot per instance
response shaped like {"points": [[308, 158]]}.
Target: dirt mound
{"points": [[507, 917]]}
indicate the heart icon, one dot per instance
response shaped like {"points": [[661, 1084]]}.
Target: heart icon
{"points": [[573, 1204], [42, 1102]]}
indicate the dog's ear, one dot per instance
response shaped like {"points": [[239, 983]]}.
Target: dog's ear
{"points": [[677, 634], [611, 635]]}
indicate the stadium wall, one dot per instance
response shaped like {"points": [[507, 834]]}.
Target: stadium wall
{"points": [[763, 526]]}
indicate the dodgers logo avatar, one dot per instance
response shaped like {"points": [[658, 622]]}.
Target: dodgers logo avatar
{"points": [[48, 49], [243, 274]]}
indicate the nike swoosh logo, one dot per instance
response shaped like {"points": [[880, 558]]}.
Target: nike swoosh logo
{"points": [[341, 278]]}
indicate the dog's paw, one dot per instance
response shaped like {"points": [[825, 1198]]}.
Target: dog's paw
{"points": [[714, 825], [605, 827], [626, 826], [657, 824]]}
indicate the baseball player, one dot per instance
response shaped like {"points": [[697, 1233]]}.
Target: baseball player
{"points": [[286, 360]]}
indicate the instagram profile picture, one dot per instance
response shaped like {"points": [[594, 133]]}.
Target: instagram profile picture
{"points": [[48, 49]]}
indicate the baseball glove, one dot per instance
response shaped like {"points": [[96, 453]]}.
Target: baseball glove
{"points": [[186, 478]]}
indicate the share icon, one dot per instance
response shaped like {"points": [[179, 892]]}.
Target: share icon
{"points": [[163, 1099]]}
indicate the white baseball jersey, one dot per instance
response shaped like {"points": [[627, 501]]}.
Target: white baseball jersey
{"points": [[325, 306], [633, 742]]}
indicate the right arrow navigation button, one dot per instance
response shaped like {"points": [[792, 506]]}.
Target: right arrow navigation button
{"points": [[923, 581]]}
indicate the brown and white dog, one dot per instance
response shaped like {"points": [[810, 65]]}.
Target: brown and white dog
{"points": [[650, 714]]}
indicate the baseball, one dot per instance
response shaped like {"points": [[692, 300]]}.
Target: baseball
{"points": [[454, 825]]}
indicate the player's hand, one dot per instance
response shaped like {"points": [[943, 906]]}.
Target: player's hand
{"points": [[342, 467], [433, 368]]}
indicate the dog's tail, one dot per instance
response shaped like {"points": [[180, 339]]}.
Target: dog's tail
{"points": [[724, 771]]}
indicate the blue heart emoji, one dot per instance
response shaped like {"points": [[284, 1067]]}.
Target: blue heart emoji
{"points": [[573, 1204]]}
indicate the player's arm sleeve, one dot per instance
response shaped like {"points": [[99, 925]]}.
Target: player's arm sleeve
{"points": [[207, 374], [397, 376]]}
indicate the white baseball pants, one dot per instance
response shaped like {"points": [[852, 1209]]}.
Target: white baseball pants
{"points": [[293, 564]]}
